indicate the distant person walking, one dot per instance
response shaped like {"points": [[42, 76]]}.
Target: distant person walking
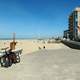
{"points": [[43, 47]]}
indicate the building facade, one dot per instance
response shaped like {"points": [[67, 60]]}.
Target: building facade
{"points": [[66, 34], [74, 24]]}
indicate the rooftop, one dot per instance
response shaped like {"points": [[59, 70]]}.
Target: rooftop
{"points": [[77, 9]]}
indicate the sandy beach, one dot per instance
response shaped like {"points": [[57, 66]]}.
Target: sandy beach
{"points": [[56, 62], [39, 39], [32, 45]]}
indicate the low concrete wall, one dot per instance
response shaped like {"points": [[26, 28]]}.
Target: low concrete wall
{"points": [[71, 44]]}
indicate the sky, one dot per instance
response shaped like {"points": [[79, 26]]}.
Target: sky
{"points": [[35, 18]]}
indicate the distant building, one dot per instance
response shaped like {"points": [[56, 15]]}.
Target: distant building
{"points": [[66, 34], [74, 24]]}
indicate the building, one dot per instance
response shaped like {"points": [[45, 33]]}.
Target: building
{"points": [[74, 24], [66, 34]]}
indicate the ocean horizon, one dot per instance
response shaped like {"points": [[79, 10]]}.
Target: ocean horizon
{"points": [[23, 38], [16, 38]]}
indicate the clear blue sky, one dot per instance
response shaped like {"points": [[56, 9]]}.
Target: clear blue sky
{"points": [[35, 17]]}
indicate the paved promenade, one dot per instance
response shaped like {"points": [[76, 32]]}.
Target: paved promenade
{"points": [[60, 64]]}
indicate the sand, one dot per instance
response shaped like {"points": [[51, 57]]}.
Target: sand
{"points": [[55, 62], [30, 46], [52, 64]]}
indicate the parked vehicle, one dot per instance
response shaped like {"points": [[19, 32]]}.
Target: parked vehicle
{"points": [[8, 57]]}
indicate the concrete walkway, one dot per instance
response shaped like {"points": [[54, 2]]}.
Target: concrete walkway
{"points": [[62, 64]]}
